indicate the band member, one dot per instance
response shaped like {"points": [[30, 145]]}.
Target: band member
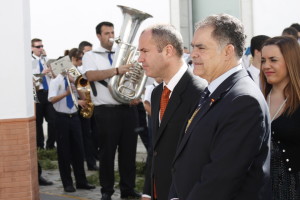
{"points": [[115, 121], [88, 142], [69, 138], [44, 109], [224, 153]]}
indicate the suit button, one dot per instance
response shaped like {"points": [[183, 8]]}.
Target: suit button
{"points": [[155, 153]]}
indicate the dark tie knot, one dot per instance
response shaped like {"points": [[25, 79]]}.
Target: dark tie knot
{"points": [[204, 96]]}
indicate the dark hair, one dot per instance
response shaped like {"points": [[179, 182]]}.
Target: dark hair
{"points": [[227, 30], [84, 44], [290, 51], [257, 42], [296, 26], [164, 34], [76, 53], [99, 26], [35, 40], [291, 32]]}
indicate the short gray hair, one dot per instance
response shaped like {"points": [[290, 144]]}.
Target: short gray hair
{"points": [[164, 34], [227, 30]]}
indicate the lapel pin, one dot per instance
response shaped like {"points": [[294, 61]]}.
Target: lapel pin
{"points": [[212, 101]]}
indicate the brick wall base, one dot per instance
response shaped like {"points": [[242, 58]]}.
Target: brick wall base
{"points": [[18, 160]]}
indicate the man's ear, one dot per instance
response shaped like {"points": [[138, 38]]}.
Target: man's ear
{"points": [[169, 50], [98, 36], [229, 50]]}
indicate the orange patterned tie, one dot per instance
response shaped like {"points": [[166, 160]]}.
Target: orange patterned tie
{"points": [[164, 101]]}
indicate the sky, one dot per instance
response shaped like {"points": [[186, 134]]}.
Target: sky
{"points": [[63, 24]]}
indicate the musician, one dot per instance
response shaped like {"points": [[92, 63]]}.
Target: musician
{"points": [[115, 121], [88, 144], [69, 138], [44, 109], [85, 46]]}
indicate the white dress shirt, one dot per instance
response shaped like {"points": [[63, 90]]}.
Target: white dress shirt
{"points": [[218, 81]]}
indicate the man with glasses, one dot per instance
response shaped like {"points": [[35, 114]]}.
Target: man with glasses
{"points": [[43, 107]]}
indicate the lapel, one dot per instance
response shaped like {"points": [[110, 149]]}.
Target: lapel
{"points": [[155, 102], [174, 102], [214, 98]]}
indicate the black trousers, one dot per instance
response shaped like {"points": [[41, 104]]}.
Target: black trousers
{"points": [[115, 127], [142, 127], [88, 141], [70, 149], [45, 109]]}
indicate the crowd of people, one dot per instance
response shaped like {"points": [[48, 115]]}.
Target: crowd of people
{"points": [[216, 127]]}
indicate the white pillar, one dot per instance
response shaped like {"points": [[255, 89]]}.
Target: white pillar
{"points": [[16, 75], [175, 14]]}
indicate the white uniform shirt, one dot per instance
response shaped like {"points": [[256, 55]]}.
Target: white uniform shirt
{"points": [[148, 91], [36, 68], [98, 60], [255, 74], [57, 87]]}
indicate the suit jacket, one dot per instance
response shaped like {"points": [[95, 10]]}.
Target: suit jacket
{"points": [[184, 98], [224, 155]]}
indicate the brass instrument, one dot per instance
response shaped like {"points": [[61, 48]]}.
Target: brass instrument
{"points": [[71, 90], [130, 85], [83, 85]]}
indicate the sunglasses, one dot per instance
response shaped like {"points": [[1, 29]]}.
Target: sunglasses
{"points": [[38, 47]]}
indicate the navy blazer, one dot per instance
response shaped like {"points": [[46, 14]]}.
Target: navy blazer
{"points": [[184, 98], [224, 154]]}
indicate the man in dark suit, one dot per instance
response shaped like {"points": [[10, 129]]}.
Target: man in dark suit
{"points": [[161, 50], [224, 153]]}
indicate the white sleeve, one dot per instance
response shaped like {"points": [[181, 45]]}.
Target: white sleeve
{"points": [[53, 88], [148, 92], [88, 62]]}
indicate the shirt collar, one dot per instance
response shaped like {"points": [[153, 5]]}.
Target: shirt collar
{"points": [[253, 69], [35, 57], [175, 79], [101, 49], [215, 83]]}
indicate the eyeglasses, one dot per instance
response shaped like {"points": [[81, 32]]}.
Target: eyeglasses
{"points": [[80, 58], [38, 47]]}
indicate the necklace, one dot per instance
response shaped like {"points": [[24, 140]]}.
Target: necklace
{"points": [[279, 109]]}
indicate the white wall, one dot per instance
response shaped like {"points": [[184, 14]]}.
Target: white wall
{"points": [[63, 24], [16, 77], [270, 17]]}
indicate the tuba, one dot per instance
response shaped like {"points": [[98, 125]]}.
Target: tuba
{"points": [[130, 85], [83, 85]]}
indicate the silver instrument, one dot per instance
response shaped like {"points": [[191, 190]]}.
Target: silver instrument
{"points": [[130, 85], [74, 99]]}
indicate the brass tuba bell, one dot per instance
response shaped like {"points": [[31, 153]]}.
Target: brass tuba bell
{"points": [[130, 85]]}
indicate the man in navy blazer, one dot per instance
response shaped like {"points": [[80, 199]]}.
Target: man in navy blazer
{"points": [[161, 49], [224, 153]]}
